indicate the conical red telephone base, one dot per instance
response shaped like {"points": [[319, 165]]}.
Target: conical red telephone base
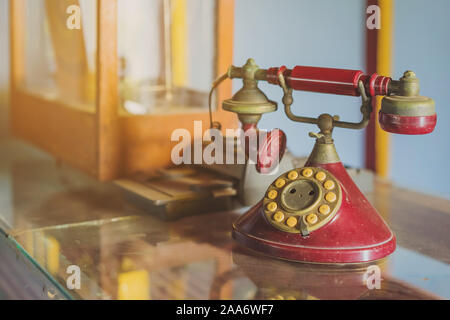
{"points": [[357, 233]]}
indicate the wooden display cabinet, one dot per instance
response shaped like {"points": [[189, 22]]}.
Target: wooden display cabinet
{"points": [[81, 120]]}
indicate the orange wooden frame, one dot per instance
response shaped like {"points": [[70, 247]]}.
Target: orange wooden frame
{"points": [[101, 143], [379, 60]]}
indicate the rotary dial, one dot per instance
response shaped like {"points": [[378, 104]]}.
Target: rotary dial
{"points": [[302, 200]]}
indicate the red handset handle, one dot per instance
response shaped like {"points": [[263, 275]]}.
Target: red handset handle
{"points": [[330, 80]]}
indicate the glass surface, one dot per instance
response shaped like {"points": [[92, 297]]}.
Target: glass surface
{"points": [[62, 218], [167, 55], [60, 50]]}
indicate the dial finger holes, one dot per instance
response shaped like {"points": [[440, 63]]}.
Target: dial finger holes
{"points": [[280, 183], [278, 217], [272, 206], [321, 176], [307, 172], [331, 197], [293, 175], [291, 222], [272, 194], [329, 185], [312, 218], [324, 209]]}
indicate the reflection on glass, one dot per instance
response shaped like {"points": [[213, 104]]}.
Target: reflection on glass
{"points": [[61, 218], [60, 62], [125, 270], [167, 53]]}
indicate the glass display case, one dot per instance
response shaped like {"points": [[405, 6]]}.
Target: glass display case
{"points": [[170, 72], [102, 84]]}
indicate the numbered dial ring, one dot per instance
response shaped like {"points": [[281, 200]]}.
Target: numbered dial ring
{"points": [[304, 198]]}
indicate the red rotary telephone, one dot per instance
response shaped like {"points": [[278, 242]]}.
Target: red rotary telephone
{"points": [[316, 213]]}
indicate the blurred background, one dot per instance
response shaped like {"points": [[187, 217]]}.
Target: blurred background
{"points": [[323, 33]]}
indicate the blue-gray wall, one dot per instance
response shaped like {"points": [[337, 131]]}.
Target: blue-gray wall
{"points": [[332, 33], [422, 43]]}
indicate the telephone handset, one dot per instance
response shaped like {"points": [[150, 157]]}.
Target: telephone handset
{"points": [[302, 200]]}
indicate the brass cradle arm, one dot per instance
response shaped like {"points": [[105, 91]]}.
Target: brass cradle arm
{"points": [[366, 108]]}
